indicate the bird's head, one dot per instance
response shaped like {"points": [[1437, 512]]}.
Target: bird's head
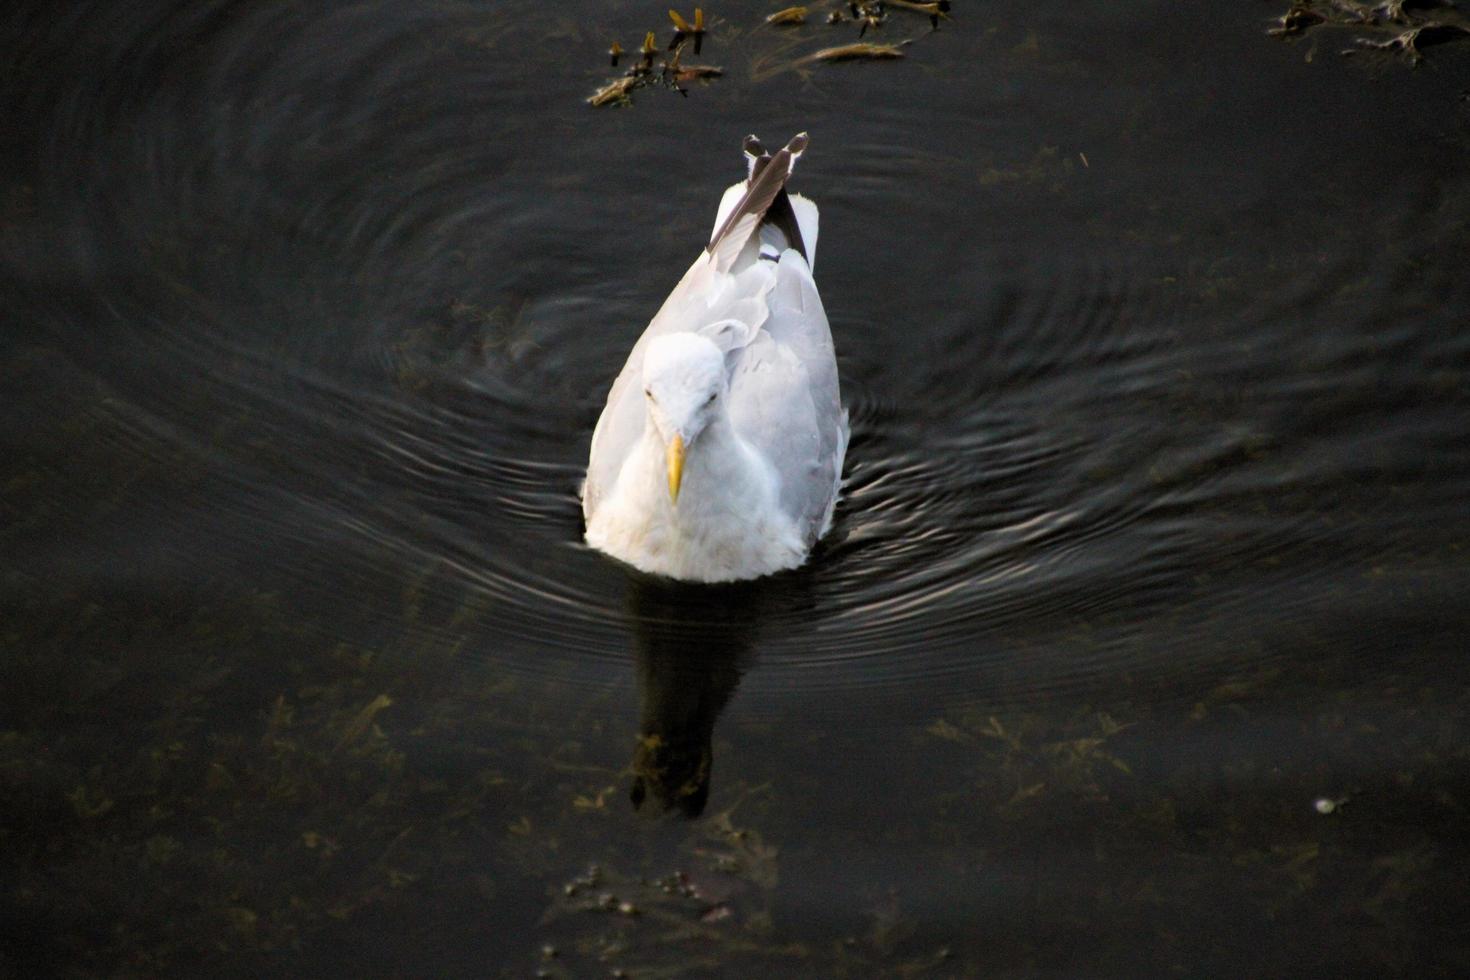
{"points": [[683, 385]]}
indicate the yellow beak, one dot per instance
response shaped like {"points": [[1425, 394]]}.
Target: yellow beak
{"points": [[676, 467]]}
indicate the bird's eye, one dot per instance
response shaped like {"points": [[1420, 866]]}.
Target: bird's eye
{"points": [[711, 399], [648, 392]]}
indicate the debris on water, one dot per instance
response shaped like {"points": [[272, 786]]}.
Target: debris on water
{"points": [[675, 72], [1296, 20], [869, 14], [1401, 26], [1411, 41], [613, 92], [671, 74], [857, 52], [789, 17], [684, 29], [936, 10]]}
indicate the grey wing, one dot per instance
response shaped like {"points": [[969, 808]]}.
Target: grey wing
{"points": [[785, 399]]}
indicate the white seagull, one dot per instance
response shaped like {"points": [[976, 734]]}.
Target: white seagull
{"points": [[719, 454]]}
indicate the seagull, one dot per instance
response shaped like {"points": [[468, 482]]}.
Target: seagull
{"points": [[718, 456]]}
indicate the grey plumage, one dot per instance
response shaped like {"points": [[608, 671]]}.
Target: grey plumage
{"points": [[768, 319]]}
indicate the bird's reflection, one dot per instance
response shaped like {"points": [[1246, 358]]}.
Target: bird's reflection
{"points": [[693, 645]]}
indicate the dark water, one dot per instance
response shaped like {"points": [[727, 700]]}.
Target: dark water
{"points": [[1154, 331]]}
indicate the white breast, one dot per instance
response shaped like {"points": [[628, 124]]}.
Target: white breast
{"points": [[725, 526]]}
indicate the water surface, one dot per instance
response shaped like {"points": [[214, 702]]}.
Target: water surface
{"points": [[1153, 542]]}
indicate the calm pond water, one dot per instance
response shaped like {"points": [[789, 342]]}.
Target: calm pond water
{"points": [[1138, 648]]}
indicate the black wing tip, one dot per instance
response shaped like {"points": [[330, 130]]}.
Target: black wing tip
{"points": [[783, 216], [761, 196], [754, 148]]}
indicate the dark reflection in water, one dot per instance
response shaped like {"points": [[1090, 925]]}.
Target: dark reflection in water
{"points": [[1153, 330], [693, 645]]}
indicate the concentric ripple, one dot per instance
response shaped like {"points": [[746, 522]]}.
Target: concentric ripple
{"points": [[351, 311]]}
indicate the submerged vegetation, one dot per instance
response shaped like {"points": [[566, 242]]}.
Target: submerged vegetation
{"points": [[244, 820], [225, 779]]}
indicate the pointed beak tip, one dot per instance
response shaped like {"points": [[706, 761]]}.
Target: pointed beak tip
{"points": [[675, 460]]}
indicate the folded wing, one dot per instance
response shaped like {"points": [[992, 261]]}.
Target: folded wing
{"points": [[784, 398]]}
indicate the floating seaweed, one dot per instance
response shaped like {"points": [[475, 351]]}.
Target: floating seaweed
{"points": [[684, 29], [1296, 20], [862, 51], [614, 92], [1411, 42], [790, 17], [1404, 27], [868, 15], [673, 73], [936, 10]]}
